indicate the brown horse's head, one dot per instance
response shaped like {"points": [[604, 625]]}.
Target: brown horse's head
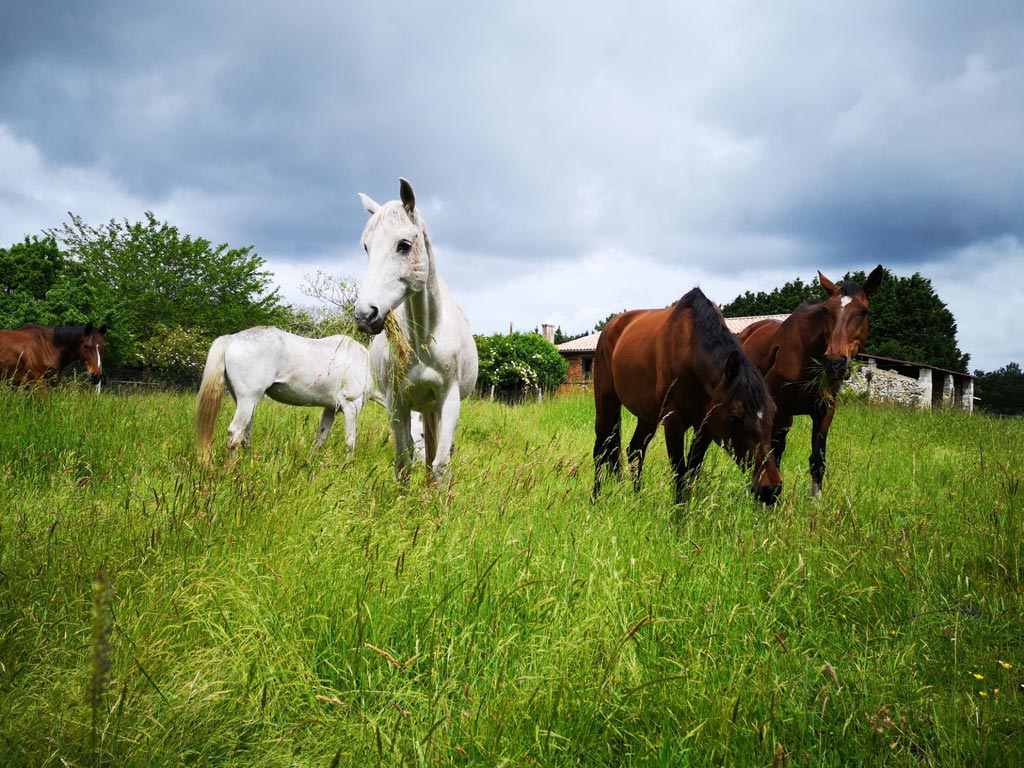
{"points": [[91, 350], [741, 419], [845, 314]]}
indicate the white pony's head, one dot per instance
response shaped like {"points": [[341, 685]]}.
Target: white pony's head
{"points": [[396, 244]]}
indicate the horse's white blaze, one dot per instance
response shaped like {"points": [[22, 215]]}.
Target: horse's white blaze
{"points": [[441, 369], [844, 302], [760, 415]]}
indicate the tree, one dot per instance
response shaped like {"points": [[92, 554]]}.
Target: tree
{"points": [[39, 285], [333, 314], [908, 320], [776, 302], [145, 277], [1001, 391], [561, 338], [519, 362]]}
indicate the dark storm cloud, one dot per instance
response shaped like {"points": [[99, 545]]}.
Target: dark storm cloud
{"points": [[724, 139]]}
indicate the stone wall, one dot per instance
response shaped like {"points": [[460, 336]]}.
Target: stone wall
{"points": [[886, 386]]}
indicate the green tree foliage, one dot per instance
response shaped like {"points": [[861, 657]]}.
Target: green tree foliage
{"points": [[775, 302], [146, 277], [38, 284], [519, 362], [910, 322], [1001, 391], [908, 319]]}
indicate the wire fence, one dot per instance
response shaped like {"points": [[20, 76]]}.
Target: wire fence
{"points": [[142, 380]]}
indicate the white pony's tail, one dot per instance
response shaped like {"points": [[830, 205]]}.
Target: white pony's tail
{"points": [[211, 391]]}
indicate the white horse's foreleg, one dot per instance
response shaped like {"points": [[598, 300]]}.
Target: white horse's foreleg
{"points": [[350, 409], [446, 433], [416, 424], [326, 422], [400, 425]]}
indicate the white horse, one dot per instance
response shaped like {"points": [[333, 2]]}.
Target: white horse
{"points": [[431, 366], [332, 373]]}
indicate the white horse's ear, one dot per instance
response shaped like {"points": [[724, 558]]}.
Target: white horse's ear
{"points": [[370, 206], [407, 195]]}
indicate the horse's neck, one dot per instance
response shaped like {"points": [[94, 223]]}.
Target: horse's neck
{"points": [[812, 334], [66, 354], [423, 310]]}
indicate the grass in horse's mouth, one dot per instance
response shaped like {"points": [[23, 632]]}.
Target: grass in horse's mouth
{"points": [[401, 350]]}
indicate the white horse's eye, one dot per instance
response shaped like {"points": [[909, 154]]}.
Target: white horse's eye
{"points": [[404, 246]]}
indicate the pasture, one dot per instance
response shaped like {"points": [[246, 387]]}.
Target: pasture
{"points": [[300, 609]]}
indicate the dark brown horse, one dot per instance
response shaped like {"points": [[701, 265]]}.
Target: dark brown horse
{"points": [[806, 357], [38, 354], [681, 367]]}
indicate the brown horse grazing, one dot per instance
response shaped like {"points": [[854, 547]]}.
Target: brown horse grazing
{"points": [[38, 354], [806, 357], [681, 367]]}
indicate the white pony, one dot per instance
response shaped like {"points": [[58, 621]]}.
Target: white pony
{"points": [[332, 373], [431, 366]]}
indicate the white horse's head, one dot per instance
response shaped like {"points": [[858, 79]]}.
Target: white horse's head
{"points": [[396, 243]]}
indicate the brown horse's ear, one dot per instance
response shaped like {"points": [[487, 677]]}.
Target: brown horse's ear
{"points": [[874, 280], [87, 331], [827, 284], [408, 197], [103, 329]]}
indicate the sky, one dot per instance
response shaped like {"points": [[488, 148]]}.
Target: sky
{"points": [[571, 159]]}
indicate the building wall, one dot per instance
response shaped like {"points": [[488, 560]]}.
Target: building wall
{"points": [[580, 367]]}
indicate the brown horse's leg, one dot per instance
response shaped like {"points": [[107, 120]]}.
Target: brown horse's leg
{"points": [[821, 421], [607, 444], [638, 448], [780, 429], [684, 465]]}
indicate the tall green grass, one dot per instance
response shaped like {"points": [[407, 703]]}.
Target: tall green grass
{"points": [[290, 608]]}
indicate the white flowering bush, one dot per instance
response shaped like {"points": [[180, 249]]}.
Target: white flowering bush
{"points": [[519, 362]]}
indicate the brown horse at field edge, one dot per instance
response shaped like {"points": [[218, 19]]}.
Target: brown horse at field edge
{"points": [[806, 358], [681, 367], [38, 354]]}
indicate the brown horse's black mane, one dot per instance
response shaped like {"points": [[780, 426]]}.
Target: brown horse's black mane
{"points": [[720, 344], [64, 336]]}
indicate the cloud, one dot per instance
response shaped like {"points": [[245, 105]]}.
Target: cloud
{"points": [[694, 141]]}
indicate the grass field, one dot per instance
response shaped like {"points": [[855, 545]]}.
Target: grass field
{"points": [[291, 609]]}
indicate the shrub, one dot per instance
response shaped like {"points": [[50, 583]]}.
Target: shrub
{"points": [[519, 362]]}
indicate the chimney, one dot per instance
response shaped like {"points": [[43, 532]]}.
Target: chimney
{"points": [[548, 332]]}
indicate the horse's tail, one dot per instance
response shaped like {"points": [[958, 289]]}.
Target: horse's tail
{"points": [[211, 391]]}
